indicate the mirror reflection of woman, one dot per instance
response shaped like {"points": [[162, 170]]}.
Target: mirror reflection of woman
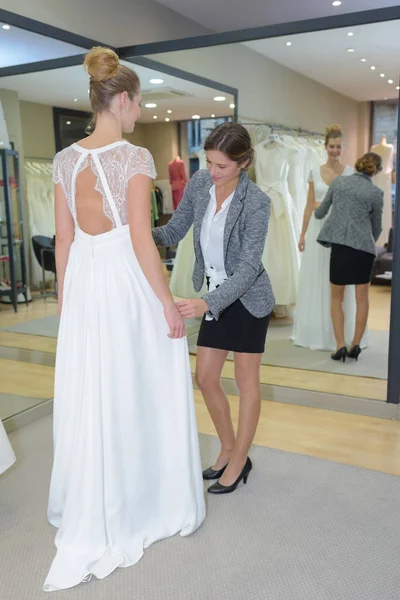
{"points": [[230, 215], [351, 230], [313, 325]]}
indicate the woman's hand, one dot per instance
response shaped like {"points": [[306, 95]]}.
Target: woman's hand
{"points": [[302, 243], [190, 309], [175, 322]]}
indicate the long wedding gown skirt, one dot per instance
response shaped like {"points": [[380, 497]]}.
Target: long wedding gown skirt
{"points": [[314, 298], [7, 456], [126, 460]]}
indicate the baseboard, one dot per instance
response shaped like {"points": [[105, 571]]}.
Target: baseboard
{"points": [[28, 416]]}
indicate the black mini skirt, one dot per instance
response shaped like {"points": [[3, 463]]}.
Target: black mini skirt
{"points": [[349, 266], [236, 330]]}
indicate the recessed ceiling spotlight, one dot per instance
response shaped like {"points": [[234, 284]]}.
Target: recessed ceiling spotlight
{"points": [[196, 117], [373, 68], [350, 50], [397, 87], [68, 122], [156, 81], [336, 3], [219, 98], [363, 59], [169, 112], [288, 43], [75, 99], [350, 34], [231, 106], [6, 26], [155, 117], [88, 91], [382, 75], [213, 116], [167, 119], [151, 105], [390, 81]]}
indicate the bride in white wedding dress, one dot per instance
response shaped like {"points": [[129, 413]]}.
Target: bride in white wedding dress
{"points": [[126, 467], [313, 326]]}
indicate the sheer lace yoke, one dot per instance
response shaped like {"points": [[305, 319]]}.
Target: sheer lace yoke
{"points": [[95, 182]]}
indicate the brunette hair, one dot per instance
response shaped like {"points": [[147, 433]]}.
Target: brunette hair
{"points": [[108, 78], [333, 132], [233, 140], [369, 164]]}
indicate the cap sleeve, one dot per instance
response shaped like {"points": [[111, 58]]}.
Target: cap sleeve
{"points": [[56, 169], [140, 162]]}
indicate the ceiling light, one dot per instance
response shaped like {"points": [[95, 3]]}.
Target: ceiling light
{"points": [[231, 106], [169, 112], [363, 59], [350, 34], [196, 117], [68, 122], [219, 98], [382, 74], [390, 81], [213, 116], [373, 68], [88, 91], [350, 50], [1, 143], [167, 119], [151, 105], [155, 117], [288, 43], [385, 98], [75, 99], [156, 81], [397, 87], [6, 27], [336, 3]]}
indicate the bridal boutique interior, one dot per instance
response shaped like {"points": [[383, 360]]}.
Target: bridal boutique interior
{"points": [[298, 86]]}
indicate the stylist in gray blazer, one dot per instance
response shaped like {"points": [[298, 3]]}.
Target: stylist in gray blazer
{"points": [[351, 230], [230, 215]]}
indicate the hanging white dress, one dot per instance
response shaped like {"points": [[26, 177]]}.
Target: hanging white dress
{"points": [[181, 284], [7, 456], [313, 327], [384, 181], [281, 255], [126, 467]]}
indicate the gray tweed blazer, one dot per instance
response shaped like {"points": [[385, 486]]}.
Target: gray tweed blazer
{"points": [[355, 219], [244, 240]]}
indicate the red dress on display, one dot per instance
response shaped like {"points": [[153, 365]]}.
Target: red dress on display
{"points": [[178, 180]]}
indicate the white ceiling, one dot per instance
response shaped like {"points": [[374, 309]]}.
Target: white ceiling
{"points": [[228, 15], [324, 57], [18, 47], [60, 87]]}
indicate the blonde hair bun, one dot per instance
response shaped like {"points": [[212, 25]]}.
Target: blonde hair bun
{"points": [[333, 131], [101, 64]]}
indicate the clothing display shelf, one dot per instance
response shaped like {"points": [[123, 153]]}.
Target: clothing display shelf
{"points": [[12, 247]]}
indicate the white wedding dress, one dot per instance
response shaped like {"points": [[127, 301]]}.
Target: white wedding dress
{"points": [[313, 327], [126, 467], [7, 456]]}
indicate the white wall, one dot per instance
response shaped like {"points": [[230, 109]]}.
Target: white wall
{"points": [[118, 23], [270, 92]]}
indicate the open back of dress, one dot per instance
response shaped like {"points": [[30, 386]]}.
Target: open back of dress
{"points": [[126, 467]]}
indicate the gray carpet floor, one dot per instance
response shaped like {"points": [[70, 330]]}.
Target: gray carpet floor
{"points": [[302, 529], [281, 352]]}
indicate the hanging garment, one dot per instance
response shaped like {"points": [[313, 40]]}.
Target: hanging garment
{"points": [[181, 284], [126, 467], [7, 456], [384, 181], [178, 180], [281, 255], [313, 327]]}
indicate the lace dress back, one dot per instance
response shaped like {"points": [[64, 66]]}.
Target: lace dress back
{"points": [[95, 182]]}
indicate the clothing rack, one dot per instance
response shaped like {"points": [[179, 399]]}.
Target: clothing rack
{"points": [[276, 127]]}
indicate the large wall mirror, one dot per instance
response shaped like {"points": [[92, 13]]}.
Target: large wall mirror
{"points": [[290, 90]]}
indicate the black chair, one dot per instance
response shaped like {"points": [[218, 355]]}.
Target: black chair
{"points": [[45, 252]]}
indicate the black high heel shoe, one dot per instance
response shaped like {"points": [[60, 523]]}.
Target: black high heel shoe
{"points": [[218, 488], [354, 352], [213, 474], [340, 354]]}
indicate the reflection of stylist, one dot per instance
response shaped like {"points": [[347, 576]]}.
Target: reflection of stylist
{"points": [[352, 228], [230, 217]]}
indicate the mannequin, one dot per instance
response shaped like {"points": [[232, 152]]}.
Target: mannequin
{"points": [[178, 179], [384, 181]]}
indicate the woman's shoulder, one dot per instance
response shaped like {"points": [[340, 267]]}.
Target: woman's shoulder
{"points": [[201, 179]]}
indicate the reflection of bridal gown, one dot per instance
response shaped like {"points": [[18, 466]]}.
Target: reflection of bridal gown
{"points": [[7, 457], [281, 256], [181, 279], [384, 181], [313, 324]]}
